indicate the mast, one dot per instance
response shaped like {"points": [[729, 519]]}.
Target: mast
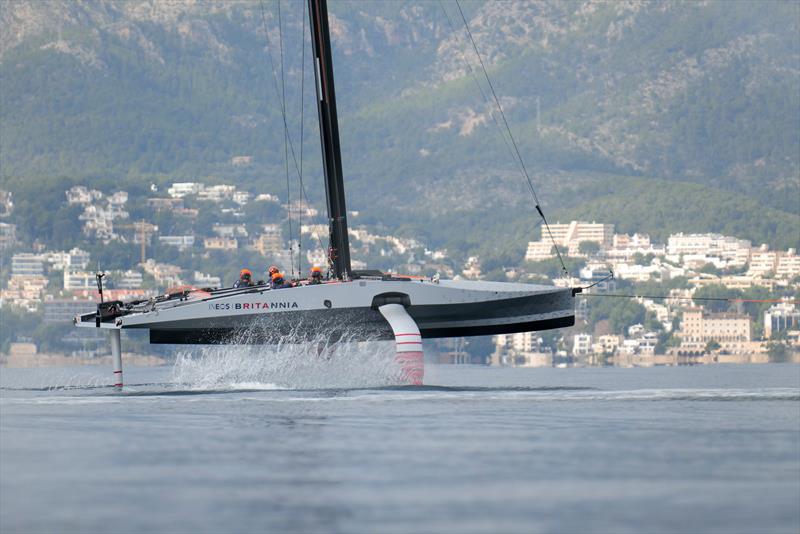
{"points": [[329, 139]]}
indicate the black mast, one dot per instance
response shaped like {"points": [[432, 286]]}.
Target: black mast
{"points": [[329, 139]]}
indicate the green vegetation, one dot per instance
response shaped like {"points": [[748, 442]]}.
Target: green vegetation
{"points": [[714, 149], [620, 313], [661, 207]]}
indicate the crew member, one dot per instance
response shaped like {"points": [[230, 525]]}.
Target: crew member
{"points": [[278, 282], [272, 270], [245, 279], [316, 276]]}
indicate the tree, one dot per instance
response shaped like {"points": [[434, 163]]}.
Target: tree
{"points": [[589, 248], [621, 313], [710, 268], [643, 259], [711, 346], [666, 340], [716, 291], [778, 352]]}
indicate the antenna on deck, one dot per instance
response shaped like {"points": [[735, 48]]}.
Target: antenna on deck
{"points": [[99, 276]]}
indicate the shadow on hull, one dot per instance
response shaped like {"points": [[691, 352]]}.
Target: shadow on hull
{"points": [[267, 335]]}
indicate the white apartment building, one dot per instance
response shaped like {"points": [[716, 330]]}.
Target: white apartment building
{"points": [[27, 264], [569, 237], [75, 259], [79, 280], [725, 247], [763, 261], [788, 265], [182, 189], [183, 242], [539, 250], [641, 273], [79, 258], [80, 194], [99, 221], [241, 197], [216, 193], [128, 280], [582, 344], [781, 317], [573, 234]]}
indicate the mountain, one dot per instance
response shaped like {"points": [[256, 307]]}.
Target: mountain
{"points": [[645, 114]]}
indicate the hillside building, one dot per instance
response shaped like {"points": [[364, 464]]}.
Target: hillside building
{"points": [[64, 310], [781, 317], [27, 264], [522, 349], [127, 280], [183, 189], [568, 237], [731, 330], [183, 242], [270, 242], [6, 203], [724, 247], [79, 280], [788, 265], [8, 236], [220, 243], [763, 261]]}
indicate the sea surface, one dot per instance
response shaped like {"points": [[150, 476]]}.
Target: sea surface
{"points": [[216, 444]]}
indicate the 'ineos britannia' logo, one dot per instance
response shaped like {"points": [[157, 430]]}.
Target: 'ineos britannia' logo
{"points": [[260, 306]]}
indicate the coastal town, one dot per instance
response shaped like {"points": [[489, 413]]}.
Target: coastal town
{"points": [[694, 299]]}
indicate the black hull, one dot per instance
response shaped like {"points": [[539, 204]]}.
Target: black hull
{"points": [[233, 336]]}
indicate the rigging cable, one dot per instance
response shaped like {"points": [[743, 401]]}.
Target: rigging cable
{"points": [[302, 124], [285, 139], [474, 76], [703, 299], [513, 141], [283, 110]]}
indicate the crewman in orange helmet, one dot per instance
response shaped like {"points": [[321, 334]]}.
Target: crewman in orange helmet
{"points": [[278, 282], [245, 279], [316, 276]]}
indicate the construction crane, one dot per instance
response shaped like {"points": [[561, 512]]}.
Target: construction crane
{"points": [[143, 230]]}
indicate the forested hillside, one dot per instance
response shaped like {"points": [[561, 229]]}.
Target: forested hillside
{"points": [[656, 116]]}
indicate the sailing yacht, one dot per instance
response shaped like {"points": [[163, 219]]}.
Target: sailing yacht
{"points": [[349, 305]]}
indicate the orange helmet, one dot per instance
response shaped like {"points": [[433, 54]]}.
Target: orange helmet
{"points": [[245, 272], [316, 269], [277, 276], [272, 270]]}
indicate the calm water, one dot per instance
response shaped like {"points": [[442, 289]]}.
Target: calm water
{"points": [[701, 449]]}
